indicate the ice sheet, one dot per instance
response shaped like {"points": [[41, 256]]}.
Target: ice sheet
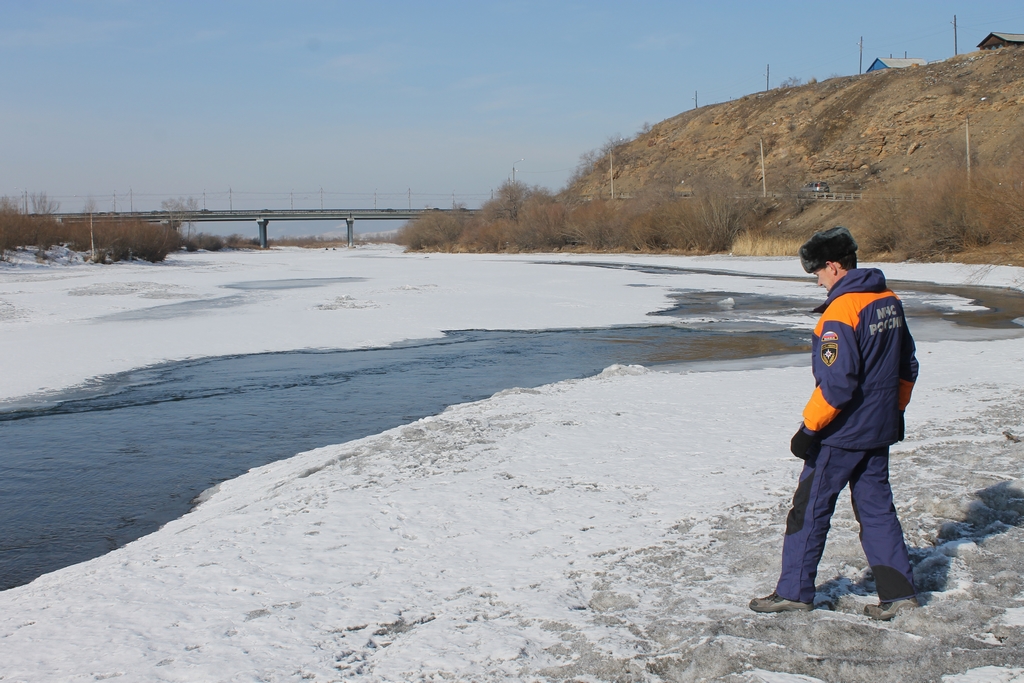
{"points": [[605, 529]]}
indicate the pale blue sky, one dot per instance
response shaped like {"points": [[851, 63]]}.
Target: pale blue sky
{"points": [[174, 98]]}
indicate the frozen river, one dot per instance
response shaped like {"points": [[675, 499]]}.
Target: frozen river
{"points": [[92, 469], [607, 528]]}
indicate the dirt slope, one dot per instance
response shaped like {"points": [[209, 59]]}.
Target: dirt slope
{"points": [[858, 133]]}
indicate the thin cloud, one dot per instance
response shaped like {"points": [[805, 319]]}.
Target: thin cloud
{"points": [[62, 32], [360, 66]]}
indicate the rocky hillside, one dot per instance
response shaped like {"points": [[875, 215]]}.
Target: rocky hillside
{"points": [[857, 133]]}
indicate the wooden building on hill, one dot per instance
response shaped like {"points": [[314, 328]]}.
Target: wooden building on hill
{"points": [[997, 40], [895, 63]]}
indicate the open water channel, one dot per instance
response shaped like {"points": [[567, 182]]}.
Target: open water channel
{"points": [[97, 467]]}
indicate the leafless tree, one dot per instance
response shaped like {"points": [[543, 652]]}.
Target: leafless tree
{"points": [[90, 208], [41, 204], [509, 199], [181, 211]]}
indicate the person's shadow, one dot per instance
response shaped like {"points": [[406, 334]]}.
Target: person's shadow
{"points": [[997, 509]]}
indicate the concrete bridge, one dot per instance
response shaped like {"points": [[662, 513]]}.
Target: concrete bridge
{"points": [[264, 216]]}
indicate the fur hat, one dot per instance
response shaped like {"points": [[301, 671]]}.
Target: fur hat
{"points": [[828, 245]]}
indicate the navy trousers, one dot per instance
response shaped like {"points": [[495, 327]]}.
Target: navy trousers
{"points": [[824, 476]]}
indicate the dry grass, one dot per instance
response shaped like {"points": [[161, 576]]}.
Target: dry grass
{"points": [[759, 244], [307, 242]]}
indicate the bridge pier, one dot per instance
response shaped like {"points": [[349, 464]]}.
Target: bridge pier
{"points": [[351, 222], [263, 231]]}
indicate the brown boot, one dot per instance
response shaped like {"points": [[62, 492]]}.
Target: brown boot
{"points": [[776, 603], [885, 611]]}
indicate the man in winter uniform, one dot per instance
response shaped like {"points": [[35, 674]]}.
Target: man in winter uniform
{"points": [[864, 371]]}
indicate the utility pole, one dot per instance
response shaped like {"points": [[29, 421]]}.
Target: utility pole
{"points": [[968, 133], [694, 99], [113, 201], [955, 50], [131, 199], [453, 200], [764, 186], [231, 201], [322, 199], [611, 171], [410, 198], [375, 199], [204, 199], [860, 65], [767, 73], [291, 200]]}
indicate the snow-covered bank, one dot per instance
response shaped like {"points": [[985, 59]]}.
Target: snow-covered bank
{"points": [[69, 322], [611, 528], [603, 529], [63, 325]]}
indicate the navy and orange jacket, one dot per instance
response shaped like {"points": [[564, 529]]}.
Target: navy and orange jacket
{"points": [[863, 362]]}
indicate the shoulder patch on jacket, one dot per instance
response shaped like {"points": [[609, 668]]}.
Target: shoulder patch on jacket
{"points": [[829, 352]]}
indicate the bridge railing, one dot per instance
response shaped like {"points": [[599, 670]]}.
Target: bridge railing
{"points": [[262, 217]]}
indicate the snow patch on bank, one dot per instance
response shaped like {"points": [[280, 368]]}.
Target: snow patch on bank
{"points": [[611, 528], [606, 529]]}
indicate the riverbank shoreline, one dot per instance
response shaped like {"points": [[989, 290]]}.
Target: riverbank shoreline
{"points": [[66, 322], [605, 528]]}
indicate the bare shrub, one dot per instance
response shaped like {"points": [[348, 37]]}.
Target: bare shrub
{"points": [[946, 222], [236, 241], [721, 218], [813, 138], [122, 240], [708, 222], [999, 197], [434, 230], [596, 225], [489, 235], [887, 230], [11, 225], [669, 225], [542, 225], [203, 241], [114, 240], [940, 216], [19, 229]]}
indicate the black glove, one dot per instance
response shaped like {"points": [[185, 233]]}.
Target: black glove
{"points": [[903, 428], [801, 443]]}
